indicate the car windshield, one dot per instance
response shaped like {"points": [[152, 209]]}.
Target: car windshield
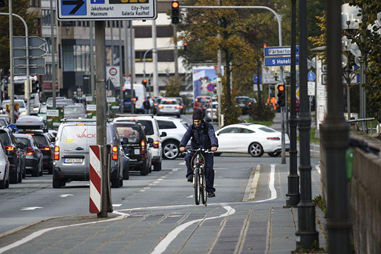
{"points": [[147, 126], [169, 102], [202, 99], [40, 140], [242, 100], [75, 110], [23, 141], [132, 132], [21, 103], [4, 139]]}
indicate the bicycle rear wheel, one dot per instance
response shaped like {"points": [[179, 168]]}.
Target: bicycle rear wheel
{"points": [[196, 184], [204, 196]]}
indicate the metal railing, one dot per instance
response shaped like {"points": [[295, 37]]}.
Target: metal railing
{"points": [[364, 126]]}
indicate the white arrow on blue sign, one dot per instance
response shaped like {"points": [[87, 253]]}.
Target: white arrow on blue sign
{"points": [[311, 76], [255, 79]]}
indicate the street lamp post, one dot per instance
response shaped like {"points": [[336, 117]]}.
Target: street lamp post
{"points": [[307, 236], [335, 138], [293, 195]]}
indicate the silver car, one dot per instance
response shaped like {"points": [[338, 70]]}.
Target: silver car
{"points": [[71, 153], [4, 169], [169, 106]]}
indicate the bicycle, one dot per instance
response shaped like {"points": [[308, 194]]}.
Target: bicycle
{"points": [[199, 178]]}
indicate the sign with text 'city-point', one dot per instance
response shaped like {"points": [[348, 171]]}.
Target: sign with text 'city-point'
{"points": [[106, 9]]}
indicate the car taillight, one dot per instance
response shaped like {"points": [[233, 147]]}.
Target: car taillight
{"points": [[156, 144], [155, 104], [56, 153], [181, 107], [273, 138], [177, 107], [160, 106], [9, 148], [143, 146], [29, 151], [47, 148], [115, 153]]}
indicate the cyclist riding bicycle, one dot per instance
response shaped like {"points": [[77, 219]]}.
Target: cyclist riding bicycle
{"points": [[203, 136]]}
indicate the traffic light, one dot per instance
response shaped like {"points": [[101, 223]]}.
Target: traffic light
{"points": [[144, 82], [175, 12], [281, 95], [35, 86], [185, 46], [2, 3]]}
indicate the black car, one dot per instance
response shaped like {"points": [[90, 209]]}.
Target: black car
{"points": [[14, 153], [46, 147], [244, 103], [33, 155], [135, 146]]}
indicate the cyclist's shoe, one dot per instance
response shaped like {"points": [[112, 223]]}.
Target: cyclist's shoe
{"points": [[211, 194], [190, 178]]}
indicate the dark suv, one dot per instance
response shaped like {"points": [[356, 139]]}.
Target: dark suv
{"points": [[136, 146], [244, 103], [33, 155], [14, 153]]}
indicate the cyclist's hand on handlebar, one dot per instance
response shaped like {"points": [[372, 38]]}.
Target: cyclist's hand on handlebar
{"points": [[182, 149], [214, 148]]}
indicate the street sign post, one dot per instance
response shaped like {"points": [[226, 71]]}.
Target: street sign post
{"points": [[106, 10], [279, 51], [210, 88], [255, 79], [311, 76], [112, 74]]}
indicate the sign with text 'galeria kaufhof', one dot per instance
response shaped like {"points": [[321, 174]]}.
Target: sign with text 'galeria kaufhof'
{"points": [[106, 9]]}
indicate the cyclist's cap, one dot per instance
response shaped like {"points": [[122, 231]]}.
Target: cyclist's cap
{"points": [[197, 115]]}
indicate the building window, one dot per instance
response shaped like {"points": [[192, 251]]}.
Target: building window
{"points": [[140, 54], [161, 31], [165, 56]]}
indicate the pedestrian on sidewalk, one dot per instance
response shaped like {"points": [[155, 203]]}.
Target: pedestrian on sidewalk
{"points": [[147, 106]]}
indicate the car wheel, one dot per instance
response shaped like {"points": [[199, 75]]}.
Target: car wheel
{"points": [[13, 177], [19, 180], [274, 154], [36, 173], [157, 166], [57, 183], [24, 173], [126, 174], [170, 150], [144, 171], [3, 183], [255, 149], [115, 183], [178, 116]]}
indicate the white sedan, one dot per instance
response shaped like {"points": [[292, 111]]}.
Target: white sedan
{"points": [[254, 139]]}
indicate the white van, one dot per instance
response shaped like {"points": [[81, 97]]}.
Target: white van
{"points": [[140, 93]]}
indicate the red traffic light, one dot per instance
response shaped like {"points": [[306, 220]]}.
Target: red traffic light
{"points": [[175, 4], [281, 88]]}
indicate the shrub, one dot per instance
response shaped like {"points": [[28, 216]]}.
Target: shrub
{"points": [[267, 112]]}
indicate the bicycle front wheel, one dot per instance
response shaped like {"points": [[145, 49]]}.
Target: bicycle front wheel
{"points": [[196, 184], [203, 193]]}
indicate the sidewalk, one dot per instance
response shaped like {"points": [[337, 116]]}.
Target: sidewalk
{"points": [[259, 225]]}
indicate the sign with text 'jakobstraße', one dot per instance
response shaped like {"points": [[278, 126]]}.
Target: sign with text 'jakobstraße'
{"points": [[106, 9]]}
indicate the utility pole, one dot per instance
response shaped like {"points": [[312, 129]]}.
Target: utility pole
{"points": [[11, 88], [92, 81], [176, 54], [53, 42], [307, 236], [219, 81], [259, 90], [120, 68], [132, 67], [101, 111], [293, 195], [126, 58], [154, 60], [335, 137]]}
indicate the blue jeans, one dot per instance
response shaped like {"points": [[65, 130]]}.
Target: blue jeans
{"points": [[209, 171]]}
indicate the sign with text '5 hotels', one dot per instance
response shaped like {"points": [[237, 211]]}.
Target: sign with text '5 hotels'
{"points": [[280, 56], [106, 9]]}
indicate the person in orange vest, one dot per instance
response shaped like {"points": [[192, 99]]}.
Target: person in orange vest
{"points": [[272, 100]]}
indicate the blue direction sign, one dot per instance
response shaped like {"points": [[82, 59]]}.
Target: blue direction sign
{"points": [[73, 7], [311, 76], [255, 79], [280, 61], [280, 51]]}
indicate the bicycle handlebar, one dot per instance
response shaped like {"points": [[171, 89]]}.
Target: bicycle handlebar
{"points": [[198, 150]]}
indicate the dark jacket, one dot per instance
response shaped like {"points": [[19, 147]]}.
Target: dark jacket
{"points": [[202, 137]]}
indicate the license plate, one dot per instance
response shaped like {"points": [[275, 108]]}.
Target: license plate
{"points": [[137, 151], [73, 160], [242, 105]]}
